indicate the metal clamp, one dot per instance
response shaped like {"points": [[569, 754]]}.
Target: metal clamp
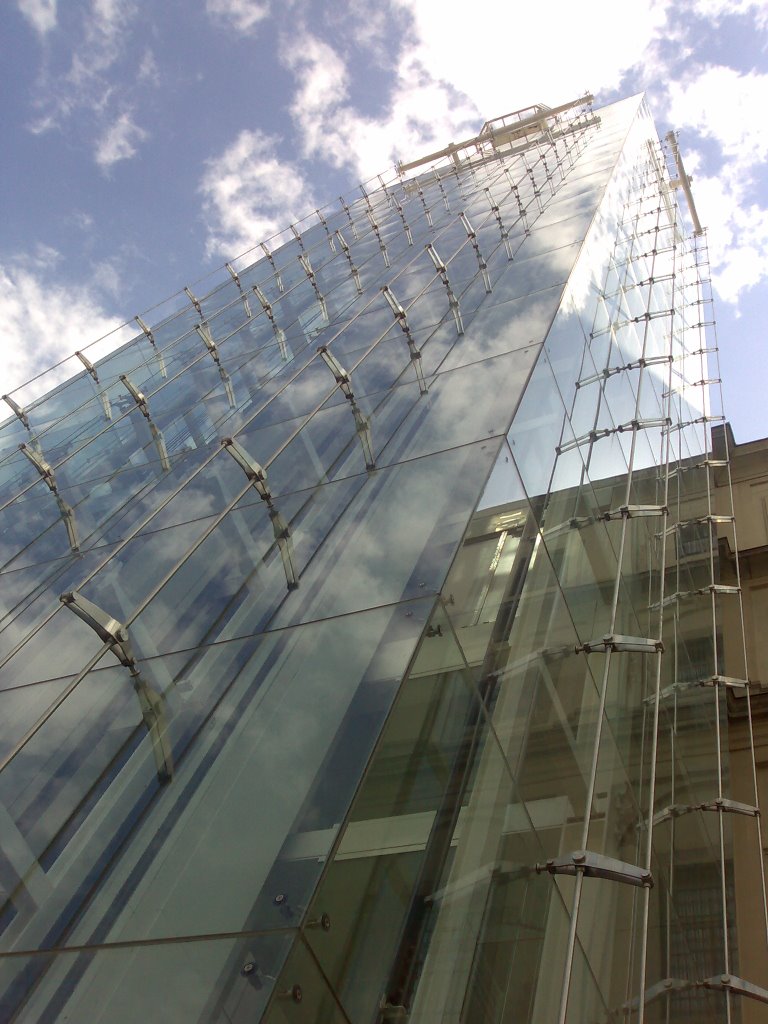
{"points": [[236, 278], [453, 302], [352, 268], [324, 222], [46, 474], [151, 339], [376, 232], [362, 426], [402, 319], [346, 210], [275, 271], [502, 229], [307, 268], [194, 300], [258, 478], [108, 629], [103, 396], [730, 983], [205, 333], [18, 411], [722, 804], [266, 305], [595, 865], [472, 236], [636, 512], [620, 644]]}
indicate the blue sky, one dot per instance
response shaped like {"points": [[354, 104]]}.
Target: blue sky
{"points": [[146, 141]]}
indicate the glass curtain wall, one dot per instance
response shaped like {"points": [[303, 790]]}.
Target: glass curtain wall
{"points": [[359, 642]]}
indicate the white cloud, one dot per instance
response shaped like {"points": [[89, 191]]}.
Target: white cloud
{"points": [[448, 81], [45, 321], [149, 71], [507, 56], [715, 10], [41, 14], [719, 104], [119, 141], [249, 194], [89, 84], [722, 104], [422, 112], [242, 15]]}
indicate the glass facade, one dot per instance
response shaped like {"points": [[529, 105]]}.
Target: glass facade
{"points": [[360, 640]]}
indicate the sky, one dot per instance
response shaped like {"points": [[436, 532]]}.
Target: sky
{"points": [[145, 142]]}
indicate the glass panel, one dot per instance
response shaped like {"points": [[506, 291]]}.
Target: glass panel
{"points": [[221, 981], [185, 798]]}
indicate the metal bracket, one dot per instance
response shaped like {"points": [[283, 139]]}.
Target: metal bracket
{"points": [[46, 473], [236, 278], [107, 628], [685, 182], [157, 436], [275, 271], [729, 681], [152, 705], [622, 428], [226, 380], [195, 302], [115, 634], [88, 365], [472, 236], [665, 987], [151, 339], [68, 516], [18, 411], [590, 437], [252, 469], [136, 395], [42, 467], [205, 333], [495, 210], [341, 376], [595, 865], [673, 811], [439, 181], [258, 478], [282, 536], [376, 231], [617, 643], [297, 236], [427, 212], [362, 426], [266, 305], [162, 451], [636, 512], [409, 236], [645, 424], [521, 210], [103, 396], [353, 269], [722, 804], [346, 210], [453, 302], [324, 222], [730, 983], [307, 268], [402, 319]]}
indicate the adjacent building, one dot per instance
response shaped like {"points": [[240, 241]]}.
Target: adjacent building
{"points": [[371, 640]]}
